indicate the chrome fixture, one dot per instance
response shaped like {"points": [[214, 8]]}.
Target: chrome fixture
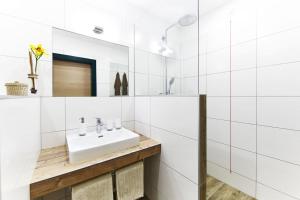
{"points": [[98, 30], [171, 82], [99, 125]]}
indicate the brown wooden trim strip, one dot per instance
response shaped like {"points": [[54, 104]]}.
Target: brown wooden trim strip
{"points": [[202, 148], [44, 187]]}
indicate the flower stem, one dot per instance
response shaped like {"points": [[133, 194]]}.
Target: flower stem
{"points": [[36, 63]]}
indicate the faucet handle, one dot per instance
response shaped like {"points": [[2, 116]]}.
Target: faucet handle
{"points": [[99, 121]]}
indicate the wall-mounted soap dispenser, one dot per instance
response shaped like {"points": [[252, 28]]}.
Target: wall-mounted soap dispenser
{"points": [[82, 127]]}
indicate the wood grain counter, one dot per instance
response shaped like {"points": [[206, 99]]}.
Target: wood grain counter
{"points": [[53, 171]]}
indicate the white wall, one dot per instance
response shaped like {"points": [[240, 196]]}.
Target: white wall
{"points": [[60, 115], [20, 145], [173, 175], [250, 77]]}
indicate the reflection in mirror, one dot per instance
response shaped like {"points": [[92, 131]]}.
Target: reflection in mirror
{"points": [[85, 66]]}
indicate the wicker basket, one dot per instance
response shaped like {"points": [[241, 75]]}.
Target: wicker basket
{"points": [[17, 89]]}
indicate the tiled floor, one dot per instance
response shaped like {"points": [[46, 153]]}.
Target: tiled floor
{"points": [[217, 190]]}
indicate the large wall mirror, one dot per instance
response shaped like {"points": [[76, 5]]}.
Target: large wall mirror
{"points": [[85, 66]]}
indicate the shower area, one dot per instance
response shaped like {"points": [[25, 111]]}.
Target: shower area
{"points": [[169, 66]]}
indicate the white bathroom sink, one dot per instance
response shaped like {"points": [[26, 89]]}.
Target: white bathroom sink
{"points": [[91, 146]]}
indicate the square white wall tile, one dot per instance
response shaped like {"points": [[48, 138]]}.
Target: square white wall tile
{"points": [[243, 109], [244, 163], [106, 108], [218, 36], [129, 125], [218, 130], [218, 107], [243, 55], [243, 21], [279, 175], [53, 139], [53, 114], [283, 47], [189, 86], [175, 186], [266, 193], [279, 143], [241, 183], [243, 83], [282, 112], [218, 84], [142, 109], [167, 114], [142, 128], [218, 153], [274, 16], [127, 108], [173, 157], [243, 136], [218, 61], [280, 80]]}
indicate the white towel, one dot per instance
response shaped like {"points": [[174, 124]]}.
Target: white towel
{"points": [[97, 189], [130, 182]]}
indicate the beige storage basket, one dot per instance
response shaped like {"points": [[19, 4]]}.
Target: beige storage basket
{"points": [[17, 89]]}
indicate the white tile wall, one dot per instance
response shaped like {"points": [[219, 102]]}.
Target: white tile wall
{"points": [[279, 80], [244, 163], [107, 108], [243, 109], [175, 186], [173, 157], [218, 153], [162, 118], [282, 112], [243, 55], [53, 139], [167, 115], [218, 130], [243, 136], [218, 61], [218, 107], [273, 142], [269, 54], [52, 114], [263, 85], [218, 84], [279, 175], [243, 83], [20, 145]]}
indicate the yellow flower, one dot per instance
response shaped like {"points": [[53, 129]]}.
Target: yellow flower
{"points": [[38, 51]]}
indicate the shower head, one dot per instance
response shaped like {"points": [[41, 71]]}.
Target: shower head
{"points": [[187, 20]]}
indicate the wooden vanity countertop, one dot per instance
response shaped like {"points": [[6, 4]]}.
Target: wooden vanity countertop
{"points": [[53, 170]]}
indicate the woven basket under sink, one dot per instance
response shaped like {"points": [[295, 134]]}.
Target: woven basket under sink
{"points": [[16, 89]]}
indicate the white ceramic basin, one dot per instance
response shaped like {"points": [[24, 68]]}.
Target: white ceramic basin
{"points": [[91, 146]]}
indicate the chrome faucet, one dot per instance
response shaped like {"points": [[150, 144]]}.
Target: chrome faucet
{"points": [[99, 125]]}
